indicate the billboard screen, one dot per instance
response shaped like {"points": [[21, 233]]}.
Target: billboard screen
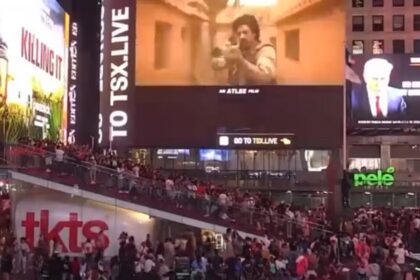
{"points": [[33, 69], [385, 90], [239, 42], [218, 66], [283, 118]]}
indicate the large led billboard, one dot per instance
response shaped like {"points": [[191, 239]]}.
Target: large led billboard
{"points": [[235, 57], [239, 42], [33, 69], [385, 90]]}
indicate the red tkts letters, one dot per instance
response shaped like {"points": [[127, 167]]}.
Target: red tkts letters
{"points": [[90, 230]]}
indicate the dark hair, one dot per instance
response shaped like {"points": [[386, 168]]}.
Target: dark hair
{"points": [[250, 21]]}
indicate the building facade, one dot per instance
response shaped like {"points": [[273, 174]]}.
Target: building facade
{"points": [[376, 27], [383, 26]]}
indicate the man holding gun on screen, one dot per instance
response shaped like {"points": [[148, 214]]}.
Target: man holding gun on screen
{"points": [[247, 60]]}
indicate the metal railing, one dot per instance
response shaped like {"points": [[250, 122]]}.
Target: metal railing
{"points": [[206, 207]]}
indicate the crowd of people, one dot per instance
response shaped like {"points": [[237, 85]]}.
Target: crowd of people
{"points": [[374, 244], [107, 168]]}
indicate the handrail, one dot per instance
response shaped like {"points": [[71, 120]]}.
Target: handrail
{"points": [[140, 182], [84, 164]]}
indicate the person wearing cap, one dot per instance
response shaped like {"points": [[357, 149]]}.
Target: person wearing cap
{"points": [[375, 98]]}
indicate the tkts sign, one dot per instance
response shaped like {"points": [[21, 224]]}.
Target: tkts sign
{"points": [[73, 225]]}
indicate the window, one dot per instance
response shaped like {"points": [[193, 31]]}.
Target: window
{"points": [[358, 47], [416, 23], [377, 3], [416, 46], [398, 46], [378, 23], [378, 46], [358, 23], [416, 2], [292, 44], [398, 3], [162, 44], [398, 23], [358, 3]]}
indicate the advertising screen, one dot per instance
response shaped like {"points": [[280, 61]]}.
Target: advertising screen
{"points": [[178, 74], [385, 90], [239, 42], [33, 69], [214, 155]]}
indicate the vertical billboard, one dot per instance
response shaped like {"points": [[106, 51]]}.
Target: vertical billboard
{"points": [[73, 83], [33, 69], [116, 77]]}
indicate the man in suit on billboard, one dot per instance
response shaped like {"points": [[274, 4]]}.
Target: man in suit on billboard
{"points": [[375, 99]]}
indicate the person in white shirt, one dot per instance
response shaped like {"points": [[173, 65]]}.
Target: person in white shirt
{"points": [[400, 254], [169, 187], [416, 223], [22, 251], [59, 154], [223, 201], [149, 264], [163, 269], [59, 159]]}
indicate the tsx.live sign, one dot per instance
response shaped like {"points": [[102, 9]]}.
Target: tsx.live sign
{"points": [[384, 178]]}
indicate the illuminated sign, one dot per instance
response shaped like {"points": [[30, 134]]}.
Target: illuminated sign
{"points": [[377, 178], [72, 92], [116, 69], [255, 140], [239, 91], [33, 69], [73, 224]]}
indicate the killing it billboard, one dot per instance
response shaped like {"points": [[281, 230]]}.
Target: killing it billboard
{"points": [[33, 69]]}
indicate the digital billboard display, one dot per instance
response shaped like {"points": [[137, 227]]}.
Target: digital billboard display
{"points": [[287, 117], [238, 42], [385, 90], [33, 69], [217, 68]]}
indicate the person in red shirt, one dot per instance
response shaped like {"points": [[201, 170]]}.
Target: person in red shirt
{"points": [[302, 264]]}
